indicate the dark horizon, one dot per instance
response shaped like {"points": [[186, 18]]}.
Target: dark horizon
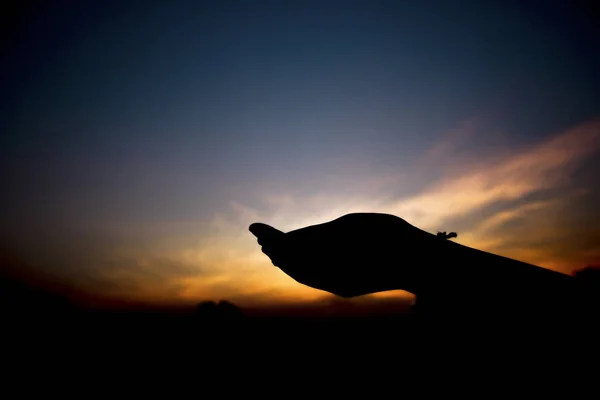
{"points": [[27, 293]]}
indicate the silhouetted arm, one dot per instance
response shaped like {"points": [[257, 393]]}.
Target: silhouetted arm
{"points": [[364, 253], [489, 287], [494, 272]]}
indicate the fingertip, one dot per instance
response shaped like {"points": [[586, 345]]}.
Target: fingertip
{"points": [[253, 228], [259, 229]]}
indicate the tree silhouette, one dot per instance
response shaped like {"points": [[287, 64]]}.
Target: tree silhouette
{"points": [[589, 294], [590, 274], [218, 312]]}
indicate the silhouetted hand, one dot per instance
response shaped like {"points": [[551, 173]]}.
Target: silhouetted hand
{"points": [[367, 252], [350, 256]]}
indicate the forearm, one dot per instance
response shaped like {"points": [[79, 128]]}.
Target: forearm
{"points": [[491, 284], [490, 272]]}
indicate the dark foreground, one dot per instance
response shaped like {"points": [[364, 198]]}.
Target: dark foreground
{"points": [[280, 356], [45, 338], [177, 334]]}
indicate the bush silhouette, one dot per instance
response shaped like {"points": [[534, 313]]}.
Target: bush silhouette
{"points": [[218, 312]]}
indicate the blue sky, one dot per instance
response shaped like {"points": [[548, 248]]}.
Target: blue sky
{"points": [[142, 139]]}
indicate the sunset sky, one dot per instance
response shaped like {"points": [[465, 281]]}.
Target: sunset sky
{"points": [[141, 139]]}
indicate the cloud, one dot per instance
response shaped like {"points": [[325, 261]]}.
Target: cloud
{"points": [[503, 217], [139, 276], [448, 145], [531, 171], [549, 236]]}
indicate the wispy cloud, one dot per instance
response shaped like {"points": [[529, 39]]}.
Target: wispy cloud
{"points": [[534, 170], [503, 217], [449, 144]]}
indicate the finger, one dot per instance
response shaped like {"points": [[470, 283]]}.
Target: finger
{"points": [[265, 234], [272, 254]]}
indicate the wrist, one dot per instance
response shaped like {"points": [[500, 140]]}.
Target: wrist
{"points": [[438, 267]]}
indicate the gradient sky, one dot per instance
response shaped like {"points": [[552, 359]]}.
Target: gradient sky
{"points": [[140, 139]]}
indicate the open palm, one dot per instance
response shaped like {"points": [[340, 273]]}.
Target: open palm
{"points": [[353, 255]]}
